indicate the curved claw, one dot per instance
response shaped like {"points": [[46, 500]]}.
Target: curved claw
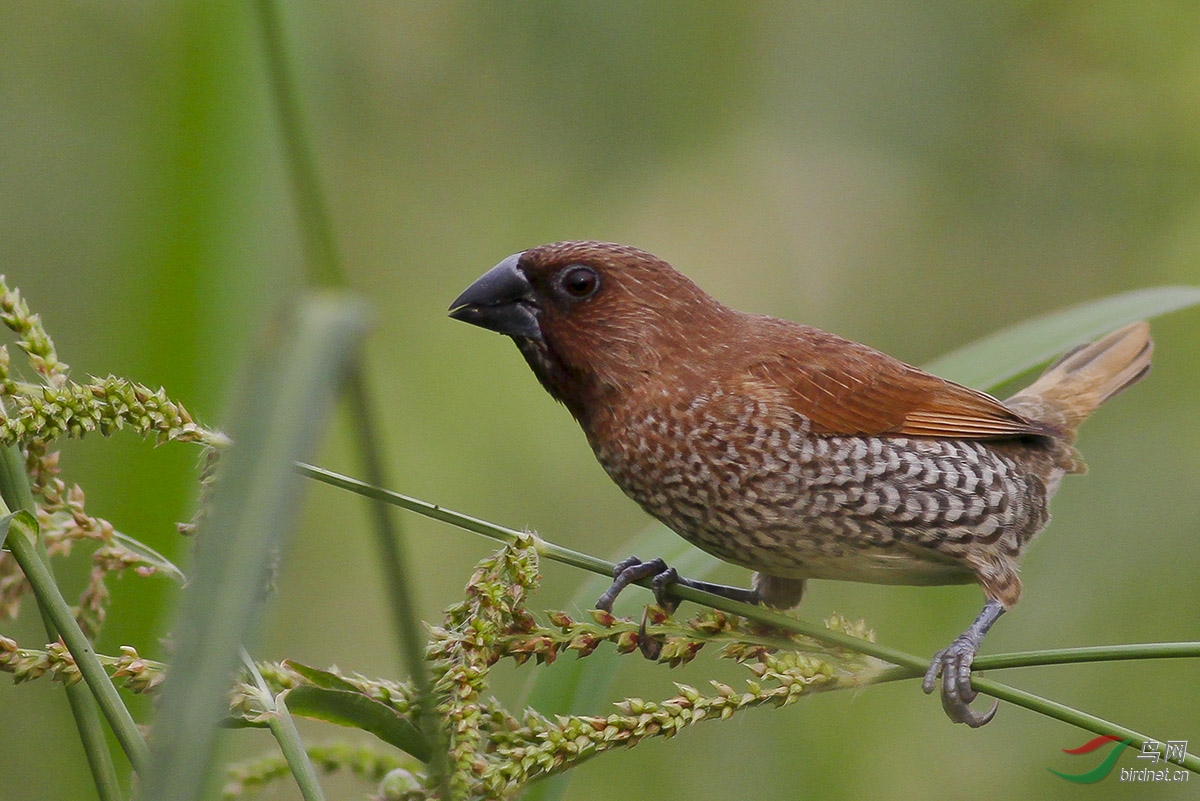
{"points": [[959, 712], [625, 564], [660, 585], [953, 664], [650, 647]]}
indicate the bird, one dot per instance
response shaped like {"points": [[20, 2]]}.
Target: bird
{"points": [[792, 451]]}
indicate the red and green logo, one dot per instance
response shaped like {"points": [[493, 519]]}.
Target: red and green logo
{"points": [[1100, 771]]}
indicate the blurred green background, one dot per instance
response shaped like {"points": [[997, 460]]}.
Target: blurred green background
{"points": [[909, 175]]}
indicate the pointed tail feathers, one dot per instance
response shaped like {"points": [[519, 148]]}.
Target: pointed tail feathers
{"points": [[1086, 377]]}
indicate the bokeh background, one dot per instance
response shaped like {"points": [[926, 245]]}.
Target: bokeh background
{"points": [[911, 175]]}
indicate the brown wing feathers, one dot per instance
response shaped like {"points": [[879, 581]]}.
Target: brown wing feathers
{"points": [[964, 413], [848, 389]]}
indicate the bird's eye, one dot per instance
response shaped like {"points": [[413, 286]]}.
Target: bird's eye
{"points": [[579, 282]]}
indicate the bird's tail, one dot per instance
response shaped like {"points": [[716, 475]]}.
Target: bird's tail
{"points": [[1086, 377]]}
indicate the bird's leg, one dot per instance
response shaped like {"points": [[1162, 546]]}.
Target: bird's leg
{"points": [[633, 570], [954, 665]]}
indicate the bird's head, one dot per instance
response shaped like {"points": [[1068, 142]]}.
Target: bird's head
{"points": [[592, 318]]}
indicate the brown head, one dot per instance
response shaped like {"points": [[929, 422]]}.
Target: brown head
{"points": [[593, 318]]}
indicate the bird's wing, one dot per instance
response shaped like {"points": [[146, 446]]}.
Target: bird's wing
{"points": [[846, 388]]}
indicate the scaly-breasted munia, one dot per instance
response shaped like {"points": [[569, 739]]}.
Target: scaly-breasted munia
{"points": [[792, 451]]}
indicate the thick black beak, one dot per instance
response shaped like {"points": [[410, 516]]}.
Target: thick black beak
{"points": [[502, 301]]}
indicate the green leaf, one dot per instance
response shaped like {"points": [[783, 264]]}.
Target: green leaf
{"points": [[231, 722], [359, 711], [321, 678], [989, 362], [4, 521], [152, 557], [286, 394]]}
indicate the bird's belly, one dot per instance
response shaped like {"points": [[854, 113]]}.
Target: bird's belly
{"points": [[831, 555], [876, 509]]}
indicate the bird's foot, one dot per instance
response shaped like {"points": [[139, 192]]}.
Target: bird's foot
{"points": [[953, 665], [633, 570]]}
